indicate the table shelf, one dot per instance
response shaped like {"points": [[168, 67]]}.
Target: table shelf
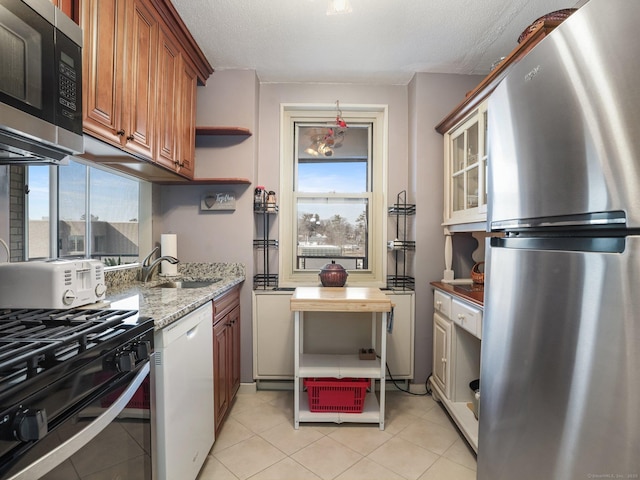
{"points": [[370, 412], [337, 366]]}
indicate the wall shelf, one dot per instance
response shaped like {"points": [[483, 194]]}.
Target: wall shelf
{"points": [[223, 131], [207, 181]]}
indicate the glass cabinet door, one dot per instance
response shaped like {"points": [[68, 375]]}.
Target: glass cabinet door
{"points": [[485, 156], [458, 164], [467, 168]]}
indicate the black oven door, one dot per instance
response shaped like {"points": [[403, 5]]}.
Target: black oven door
{"points": [[109, 437], [27, 61]]}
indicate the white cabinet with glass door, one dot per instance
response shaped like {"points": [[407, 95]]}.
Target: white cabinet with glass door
{"points": [[465, 170]]}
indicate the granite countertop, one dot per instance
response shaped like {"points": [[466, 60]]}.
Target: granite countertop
{"points": [[166, 305], [473, 293]]}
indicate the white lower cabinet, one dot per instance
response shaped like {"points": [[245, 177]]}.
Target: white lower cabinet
{"points": [[442, 353], [456, 360], [468, 317], [273, 335]]}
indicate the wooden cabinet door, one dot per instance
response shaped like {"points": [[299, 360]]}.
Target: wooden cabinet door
{"points": [[234, 351], [140, 79], [220, 371], [168, 101], [102, 68], [187, 116], [70, 7]]}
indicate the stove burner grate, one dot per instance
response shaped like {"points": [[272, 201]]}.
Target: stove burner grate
{"points": [[35, 339]]}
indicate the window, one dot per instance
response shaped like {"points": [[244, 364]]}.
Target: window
{"points": [[38, 206], [333, 182], [97, 214]]}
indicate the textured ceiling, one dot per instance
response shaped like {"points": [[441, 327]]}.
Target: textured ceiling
{"points": [[379, 42]]}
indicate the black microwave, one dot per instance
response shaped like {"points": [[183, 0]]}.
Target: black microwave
{"points": [[40, 83]]}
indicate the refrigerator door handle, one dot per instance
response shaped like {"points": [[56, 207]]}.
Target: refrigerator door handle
{"points": [[571, 244]]}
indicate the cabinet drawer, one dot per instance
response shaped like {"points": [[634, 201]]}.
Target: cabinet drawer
{"points": [[442, 303], [467, 317], [225, 303]]}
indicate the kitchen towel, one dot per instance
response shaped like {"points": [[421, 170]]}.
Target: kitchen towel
{"points": [[169, 246]]}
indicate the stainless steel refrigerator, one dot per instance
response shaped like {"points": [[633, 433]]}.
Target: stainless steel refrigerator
{"points": [[560, 362]]}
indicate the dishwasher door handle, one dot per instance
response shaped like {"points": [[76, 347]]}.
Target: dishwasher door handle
{"points": [[193, 332]]}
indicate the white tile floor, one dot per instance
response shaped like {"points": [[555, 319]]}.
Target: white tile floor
{"points": [[258, 442]]}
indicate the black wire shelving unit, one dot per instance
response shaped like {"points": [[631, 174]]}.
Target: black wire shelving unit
{"points": [[267, 279], [400, 246]]}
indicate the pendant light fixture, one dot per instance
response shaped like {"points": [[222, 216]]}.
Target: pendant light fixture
{"points": [[324, 143]]}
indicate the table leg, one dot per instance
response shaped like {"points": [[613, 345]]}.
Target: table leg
{"points": [[383, 363], [296, 370]]}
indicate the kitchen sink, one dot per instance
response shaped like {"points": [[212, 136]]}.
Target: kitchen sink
{"points": [[188, 284]]}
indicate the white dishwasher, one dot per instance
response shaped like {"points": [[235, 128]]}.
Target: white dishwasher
{"points": [[184, 395]]}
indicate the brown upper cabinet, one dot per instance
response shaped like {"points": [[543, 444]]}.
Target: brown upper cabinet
{"points": [[141, 68], [70, 7]]}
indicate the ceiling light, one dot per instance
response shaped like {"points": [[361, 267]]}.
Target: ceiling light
{"points": [[325, 150], [312, 149], [337, 7]]}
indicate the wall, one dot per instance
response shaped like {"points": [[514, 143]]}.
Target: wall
{"points": [[4, 207], [228, 99], [415, 152], [431, 98]]}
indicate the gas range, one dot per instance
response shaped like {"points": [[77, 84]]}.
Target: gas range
{"points": [[52, 362]]}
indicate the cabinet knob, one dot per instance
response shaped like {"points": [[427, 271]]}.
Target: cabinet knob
{"points": [[120, 133], [130, 137], [461, 317], [439, 304], [443, 360]]}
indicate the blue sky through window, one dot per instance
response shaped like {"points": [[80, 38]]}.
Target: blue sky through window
{"points": [[113, 198]]}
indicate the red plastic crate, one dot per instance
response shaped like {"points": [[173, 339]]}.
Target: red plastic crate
{"points": [[344, 395]]}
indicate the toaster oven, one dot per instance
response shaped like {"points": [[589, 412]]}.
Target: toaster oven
{"points": [[57, 283]]}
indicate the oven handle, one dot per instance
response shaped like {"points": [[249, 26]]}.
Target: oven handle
{"points": [[55, 457]]}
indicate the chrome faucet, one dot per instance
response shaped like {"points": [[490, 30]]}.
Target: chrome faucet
{"points": [[148, 266]]}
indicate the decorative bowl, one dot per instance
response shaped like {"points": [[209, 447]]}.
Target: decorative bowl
{"points": [[560, 15], [333, 275]]}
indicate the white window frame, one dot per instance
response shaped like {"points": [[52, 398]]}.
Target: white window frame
{"points": [[377, 115]]}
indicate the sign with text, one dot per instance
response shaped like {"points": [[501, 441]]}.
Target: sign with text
{"points": [[218, 201]]}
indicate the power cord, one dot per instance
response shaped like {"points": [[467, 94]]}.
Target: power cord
{"points": [[393, 380]]}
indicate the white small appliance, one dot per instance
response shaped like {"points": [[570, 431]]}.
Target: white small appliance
{"points": [[56, 283], [184, 395]]}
